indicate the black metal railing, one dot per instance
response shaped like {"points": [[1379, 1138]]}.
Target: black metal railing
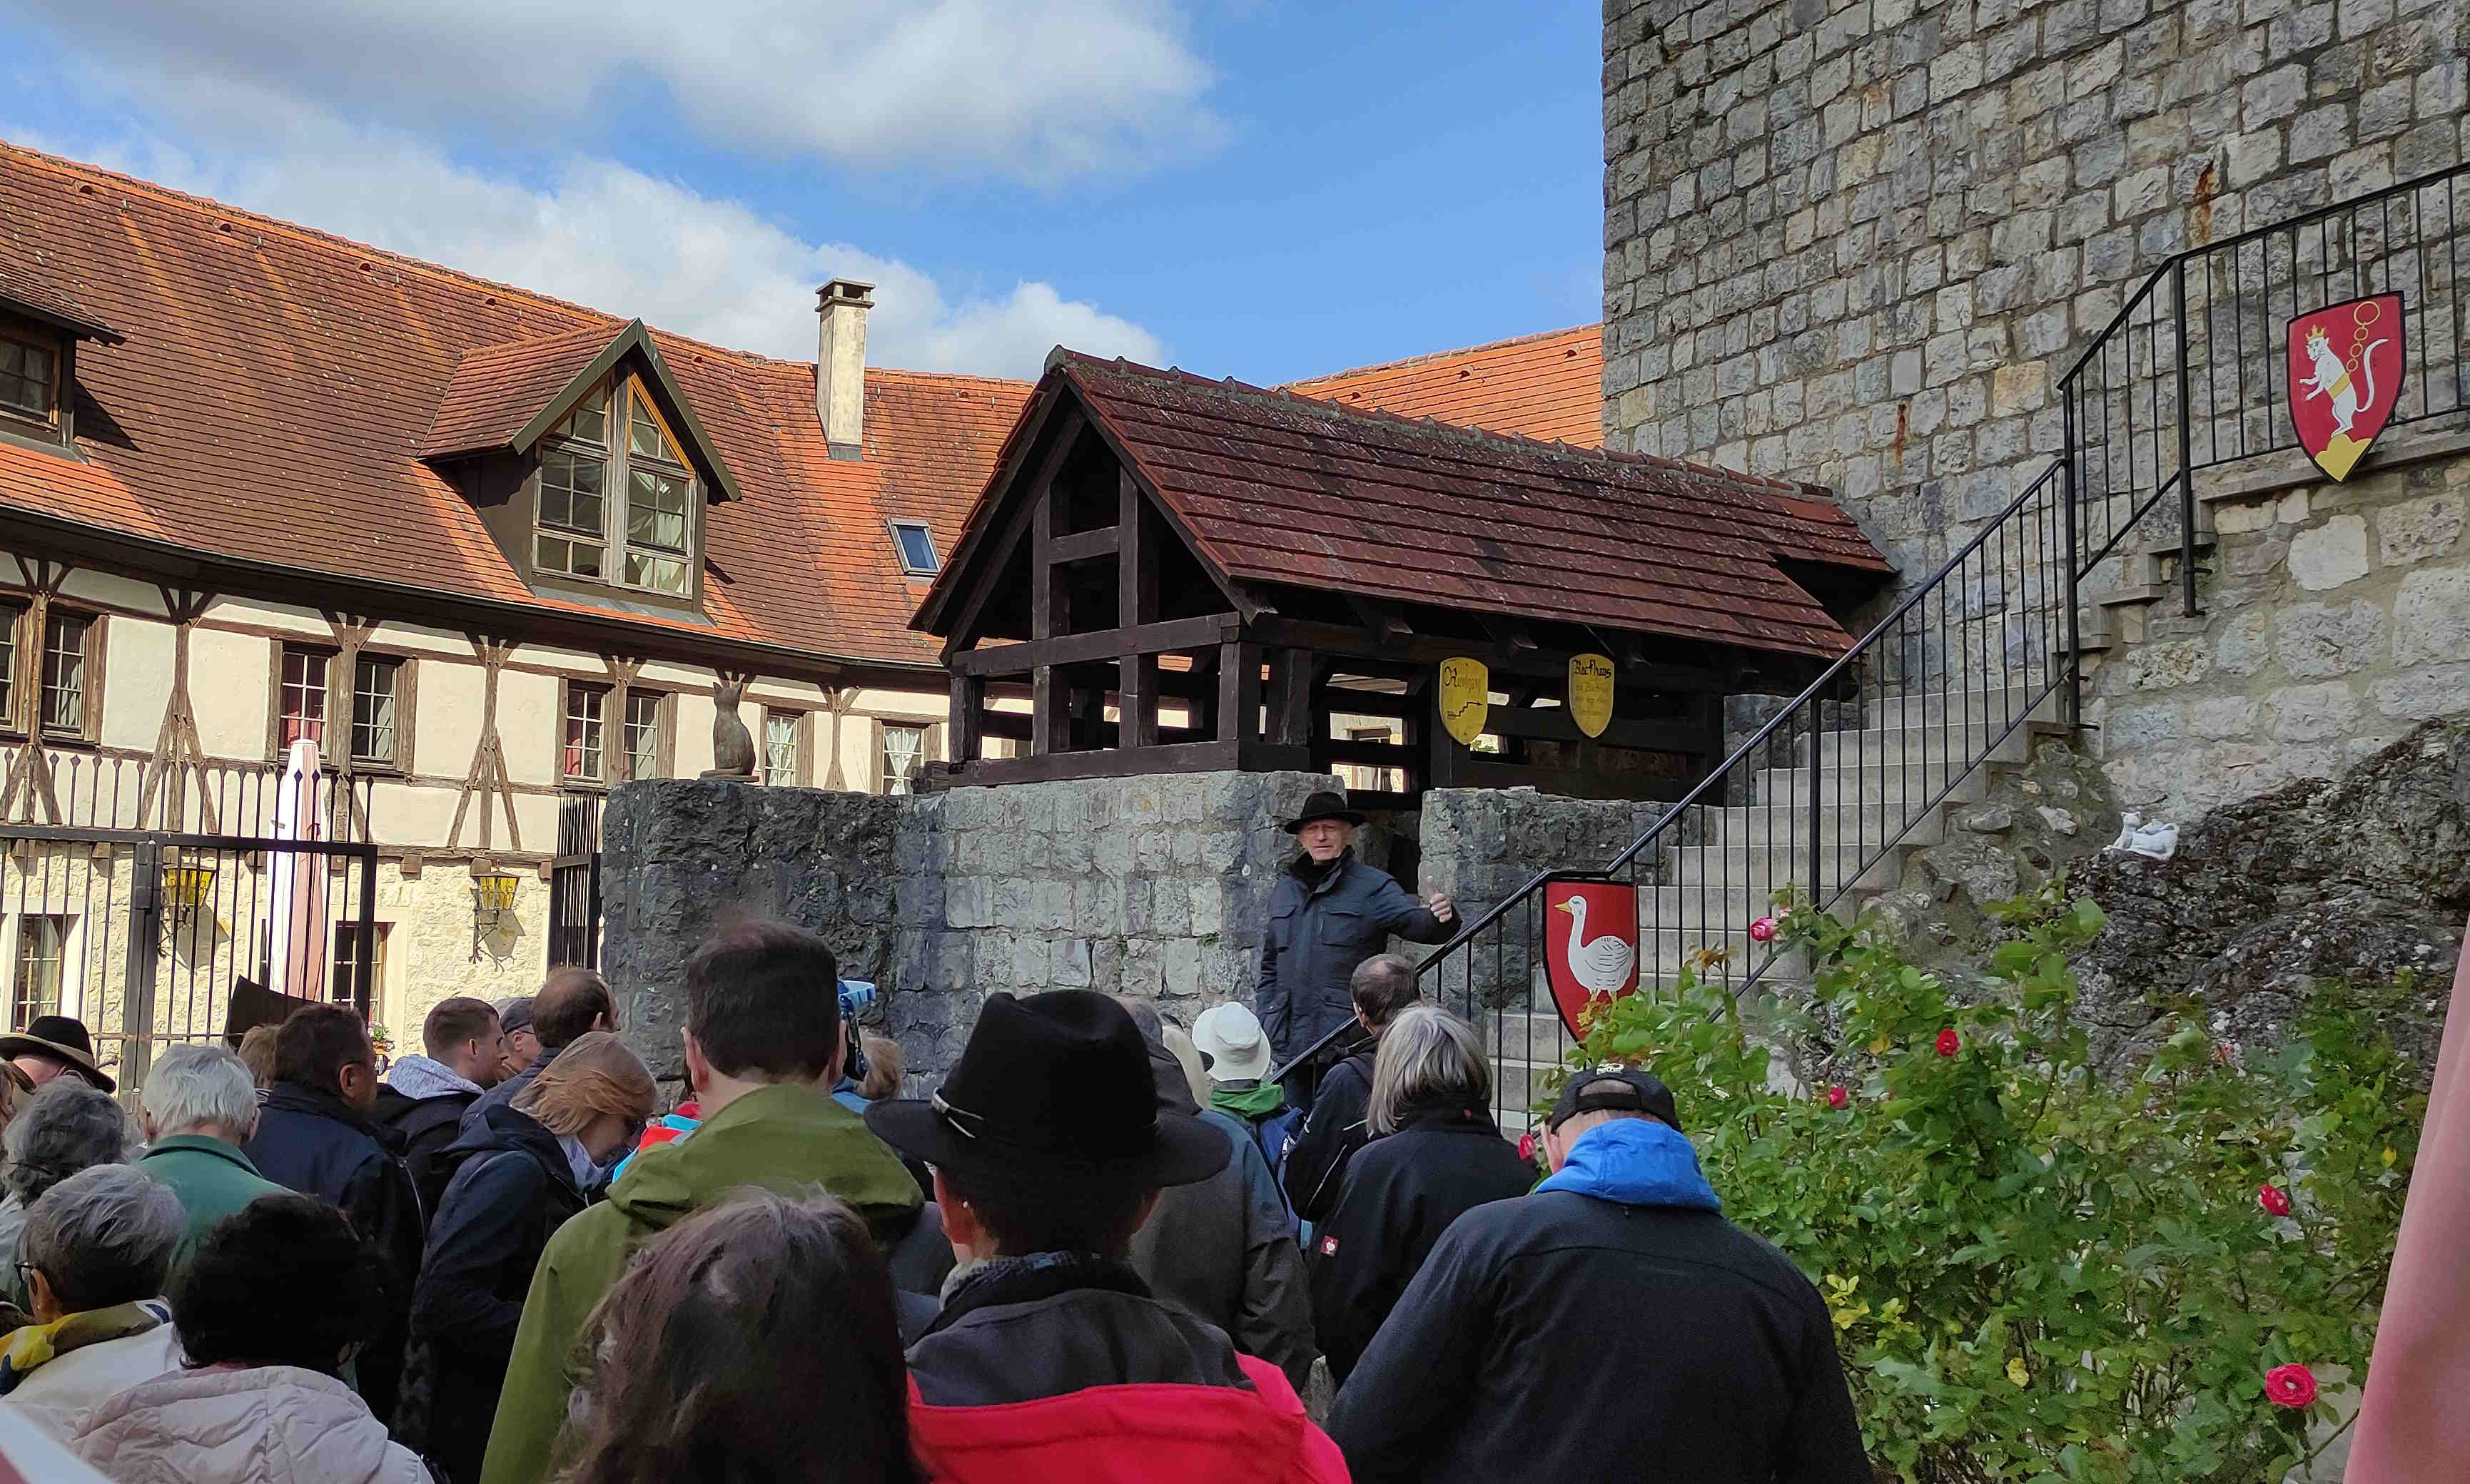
{"points": [[133, 893], [2186, 374], [2191, 371]]}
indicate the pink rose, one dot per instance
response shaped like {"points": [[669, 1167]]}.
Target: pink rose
{"points": [[1763, 931], [2291, 1385], [1837, 1098], [2274, 1198], [1526, 1148], [1949, 1043]]}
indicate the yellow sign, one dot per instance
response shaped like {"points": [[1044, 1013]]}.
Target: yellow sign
{"points": [[1590, 692], [1466, 699]]}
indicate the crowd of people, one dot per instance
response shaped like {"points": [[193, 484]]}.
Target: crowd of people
{"points": [[1107, 1247]]}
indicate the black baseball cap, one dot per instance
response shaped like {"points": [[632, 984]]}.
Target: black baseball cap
{"points": [[1613, 1085]]}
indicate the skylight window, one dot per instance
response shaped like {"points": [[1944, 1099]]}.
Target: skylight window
{"points": [[917, 548]]}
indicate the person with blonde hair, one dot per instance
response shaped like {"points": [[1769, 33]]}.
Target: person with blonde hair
{"points": [[1435, 1153], [517, 1179]]}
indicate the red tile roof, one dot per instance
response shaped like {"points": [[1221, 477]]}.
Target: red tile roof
{"points": [[1547, 386], [279, 385], [1284, 490], [498, 388], [30, 288]]}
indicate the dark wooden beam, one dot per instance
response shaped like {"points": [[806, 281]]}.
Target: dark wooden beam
{"points": [[964, 627], [1293, 673], [1382, 619], [969, 710], [1205, 633], [1238, 690], [1510, 634], [1082, 545], [1050, 614], [1120, 762], [1136, 607], [1334, 639]]}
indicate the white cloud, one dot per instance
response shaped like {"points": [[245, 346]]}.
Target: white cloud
{"points": [[1032, 89], [606, 235]]}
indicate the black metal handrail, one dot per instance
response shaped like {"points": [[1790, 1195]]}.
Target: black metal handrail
{"points": [[1870, 751]]}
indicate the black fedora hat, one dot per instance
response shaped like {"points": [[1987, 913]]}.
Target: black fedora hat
{"points": [[1323, 805], [64, 1039], [1054, 1088]]}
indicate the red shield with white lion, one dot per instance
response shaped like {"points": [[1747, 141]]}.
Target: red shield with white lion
{"points": [[2346, 373], [1590, 943]]}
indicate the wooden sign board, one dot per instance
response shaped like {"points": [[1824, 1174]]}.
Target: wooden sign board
{"points": [[1590, 692], [1466, 699]]}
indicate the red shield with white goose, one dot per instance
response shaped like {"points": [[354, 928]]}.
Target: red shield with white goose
{"points": [[2346, 364], [1590, 943]]}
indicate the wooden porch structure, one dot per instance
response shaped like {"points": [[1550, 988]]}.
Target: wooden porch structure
{"points": [[1181, 575]]}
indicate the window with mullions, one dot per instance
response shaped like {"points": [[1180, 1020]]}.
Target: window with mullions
{"points": [[300, 699], [585, 706], [29, 377], [42, 966], [643, 733], [9, 617], [582, 463], [376, 681], [64, 678], [781, 748]]}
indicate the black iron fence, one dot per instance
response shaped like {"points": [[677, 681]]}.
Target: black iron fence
{"points": [[2191, 371], [132, 895], [574, 884], [2189, 374]]}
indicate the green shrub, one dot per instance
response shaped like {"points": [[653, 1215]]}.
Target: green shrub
{"points": [[2038, 1273]]}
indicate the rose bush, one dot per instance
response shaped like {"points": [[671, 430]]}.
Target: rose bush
{"points": [[2038, 1273]]}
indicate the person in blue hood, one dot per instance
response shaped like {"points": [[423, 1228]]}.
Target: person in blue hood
{"points": [[1607, 1323]]}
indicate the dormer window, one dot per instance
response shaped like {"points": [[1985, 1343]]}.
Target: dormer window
{"points": [[916, 546], [30, 374], [646, 541]]}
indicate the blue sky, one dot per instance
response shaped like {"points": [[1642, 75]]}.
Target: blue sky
{"points": [[1261, 189]]}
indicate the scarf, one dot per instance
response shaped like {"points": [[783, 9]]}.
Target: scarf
{"points": [[421, 1077], [29, 1348], [1251, 1103], [983, 1282]]}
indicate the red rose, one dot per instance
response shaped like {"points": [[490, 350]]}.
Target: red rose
{"points": [[1949, 1043], [1837, 1098], [1526, 1148], [2291, 1385], [2274, 1198], [1763, 931]]}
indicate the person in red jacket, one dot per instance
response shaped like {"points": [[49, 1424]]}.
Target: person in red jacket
{"points": [[1050, 1359]]}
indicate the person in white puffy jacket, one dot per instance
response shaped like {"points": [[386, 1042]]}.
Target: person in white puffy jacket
{"points": [[273, 1303], [97, 1248]]}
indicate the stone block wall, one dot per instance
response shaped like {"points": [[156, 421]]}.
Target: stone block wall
{"points": [[1481, 845], [679, 857], [1857, 241], [1151, 887], [2336, 617]]}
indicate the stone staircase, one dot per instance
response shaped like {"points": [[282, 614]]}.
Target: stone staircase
{"points": [[1874, 782]]}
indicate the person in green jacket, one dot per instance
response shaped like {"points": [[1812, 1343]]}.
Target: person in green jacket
{"points": [[200, 1105], [763, 1048]]}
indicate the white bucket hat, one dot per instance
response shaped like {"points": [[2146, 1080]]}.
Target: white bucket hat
{"points": [[1230, 1037]]}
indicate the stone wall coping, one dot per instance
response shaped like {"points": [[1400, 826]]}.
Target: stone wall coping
{"points": [[2275, 474]]}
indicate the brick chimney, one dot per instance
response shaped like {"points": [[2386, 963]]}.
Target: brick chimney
{"points": [[840, 366]]}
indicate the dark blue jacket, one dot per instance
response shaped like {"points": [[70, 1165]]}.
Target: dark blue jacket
{"points": [[504, 1093], [1611, 1317], [1319, 929], [1399, 1193], [310, 1140], [511, 1189]]}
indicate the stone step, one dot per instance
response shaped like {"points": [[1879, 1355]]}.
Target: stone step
{"points": [[1786, 826], [1965, 736], [1928, 703], [1757, 872], [1879, 783]]}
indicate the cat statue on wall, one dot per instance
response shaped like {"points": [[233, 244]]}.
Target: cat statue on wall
{"points": [[732, 746]]}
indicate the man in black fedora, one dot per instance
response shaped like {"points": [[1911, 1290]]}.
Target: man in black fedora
{"points": [[1329, 912], [55, 1046], [1049, 1148]]}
